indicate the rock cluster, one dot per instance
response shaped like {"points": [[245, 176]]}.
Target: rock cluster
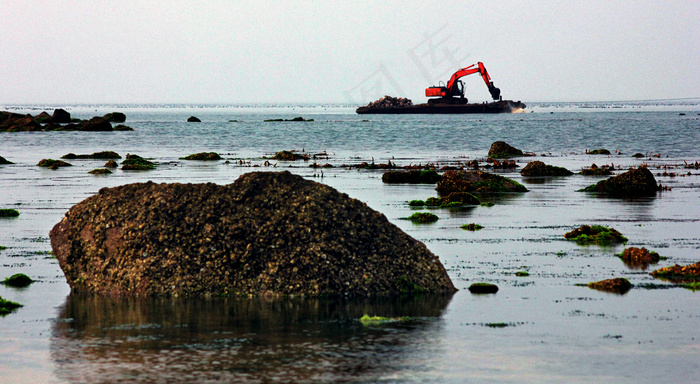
{"points": [[635, 182], [59, 121], [266, 234], [678, 273], [391, 102], [476, 181], [639, 257]]}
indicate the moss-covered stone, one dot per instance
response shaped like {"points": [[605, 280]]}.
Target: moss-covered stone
{"points": [[7, 306], [290, 156], [8, 212], [137, 163], [53, 164], [205, 156], [115, 117], [501, 149], [597, 234], [618, 285], [428, 176], [100, 171], [18, 280], [423, 217], [111, 164], [416, 203], [539, 168], [476, 181], [483, 288], [472, 227], [601, 151], [635, 182]]}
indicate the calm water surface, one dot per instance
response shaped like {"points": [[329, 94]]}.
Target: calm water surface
{"points": [[545, 327]]}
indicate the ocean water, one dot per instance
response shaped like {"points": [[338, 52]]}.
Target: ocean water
{"points": [[544, 327]]}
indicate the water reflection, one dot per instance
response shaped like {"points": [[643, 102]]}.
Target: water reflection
{"points": [[97, 339]]}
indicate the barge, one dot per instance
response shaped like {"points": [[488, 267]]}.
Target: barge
{"points": [[503, 106]]}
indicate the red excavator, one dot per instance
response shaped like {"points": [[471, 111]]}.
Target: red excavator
{"points": [[453, 92]]}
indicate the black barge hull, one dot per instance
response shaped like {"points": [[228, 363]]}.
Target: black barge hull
{"points": [[505, 106]]}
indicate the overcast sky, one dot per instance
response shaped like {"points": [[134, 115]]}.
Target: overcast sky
{"points": [[327, 51]]}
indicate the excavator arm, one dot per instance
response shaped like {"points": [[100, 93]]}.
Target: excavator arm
{"points": [[452, 88]]}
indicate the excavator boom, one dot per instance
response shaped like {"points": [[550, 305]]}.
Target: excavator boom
{"points": [[452, 88]]}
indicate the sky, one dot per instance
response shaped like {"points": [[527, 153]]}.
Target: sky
{"points": [[246, 52]]}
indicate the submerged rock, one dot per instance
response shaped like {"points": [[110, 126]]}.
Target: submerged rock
{"points": [[476, 181], [483, 288], [635, 182], [500, 149], [618, 285], [428, 176], [265, 233], [539, 168], [193, 119], [115, 117], [206, 156], [4, 161]]}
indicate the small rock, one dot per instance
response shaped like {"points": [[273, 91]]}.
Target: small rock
{"points": [[618, 285], [483, 288], [193, 119], [18, 280], [115, 117]]}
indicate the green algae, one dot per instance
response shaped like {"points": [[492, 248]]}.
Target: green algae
{"points": [[17, 280], [137, 163], [595, 234], [368, 320], [8, 212], [7, 306], [471, 227], [423, 217]]}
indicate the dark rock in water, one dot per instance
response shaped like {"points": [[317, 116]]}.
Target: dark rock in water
{"points": [[96, 124], [14, 122], [428, 176], [618, 285], [193, 119], [635, 182], [60, 116], [291, 156], [476, 181], [638, 155], [206, 156], [111, 164], [4, 161], [53, 164], [267, 233], [122, 127], [483, 288], [501, 149], [104, 155], [598, 152], [115, 117], [539, 168]]}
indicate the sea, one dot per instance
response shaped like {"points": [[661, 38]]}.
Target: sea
{"points": [[544, 325]]}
